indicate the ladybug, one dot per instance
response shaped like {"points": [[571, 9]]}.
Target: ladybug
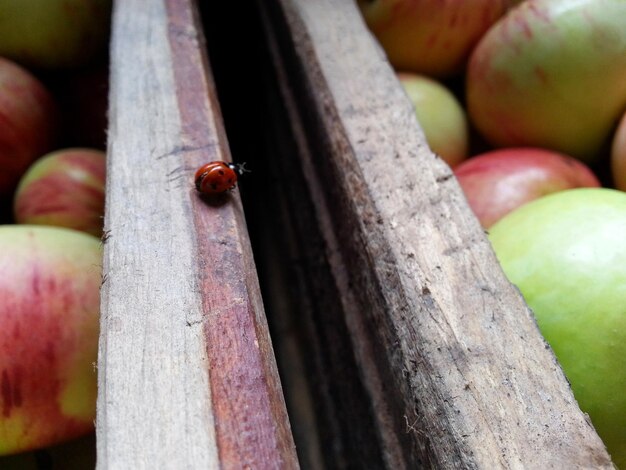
{"points": [[217, 177]]}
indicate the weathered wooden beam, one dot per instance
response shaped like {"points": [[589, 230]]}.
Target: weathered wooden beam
{"points": [[187, 377], [456, 370]]}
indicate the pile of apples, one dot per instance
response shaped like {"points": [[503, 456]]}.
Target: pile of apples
{"points": [[526, 101], [53, 98]]}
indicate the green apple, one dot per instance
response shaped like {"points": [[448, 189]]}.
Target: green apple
{"points": [[49, 322], [440, 115], [53, 33], [566, 254], [551, 74], [64, 188]]}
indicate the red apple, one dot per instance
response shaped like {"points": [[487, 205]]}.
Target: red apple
{"points": [[618, 155], [54, 33], [49, 321], [64, 188], [497, 182], [431, 37], [28, 115], [440, 115], [550, 74]]}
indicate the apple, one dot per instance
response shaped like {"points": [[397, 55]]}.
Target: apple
{"points": [[430, 37], [53, 33], [499, 181], [551, 74], [64, 188], [440, 115], [49, 321], [618, 155], [566, 254], [29, 122]]}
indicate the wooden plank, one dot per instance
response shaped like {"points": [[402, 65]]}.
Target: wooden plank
{"points": [[331, 413], [187, 377], [337, 428], [456, 369]]}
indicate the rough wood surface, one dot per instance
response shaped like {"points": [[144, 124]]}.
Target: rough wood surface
{"points": [[336, 428], [187, 377], [456, 369]]}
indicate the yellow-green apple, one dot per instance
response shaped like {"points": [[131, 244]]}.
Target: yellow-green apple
{"points": [[618, 155], [53, 33], [440, 115], [430, 37], [499, 181], [566, 254], [49, 320], [551, 74], [64, 188], [28, 118]]}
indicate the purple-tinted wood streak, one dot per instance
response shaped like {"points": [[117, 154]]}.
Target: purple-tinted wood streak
{"points": [[252, 427]]}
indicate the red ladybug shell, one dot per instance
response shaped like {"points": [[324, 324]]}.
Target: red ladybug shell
{"points": [[216, 177]]}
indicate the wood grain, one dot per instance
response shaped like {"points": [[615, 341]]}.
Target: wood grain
{"points": [[455, 367], [187, 377]]}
